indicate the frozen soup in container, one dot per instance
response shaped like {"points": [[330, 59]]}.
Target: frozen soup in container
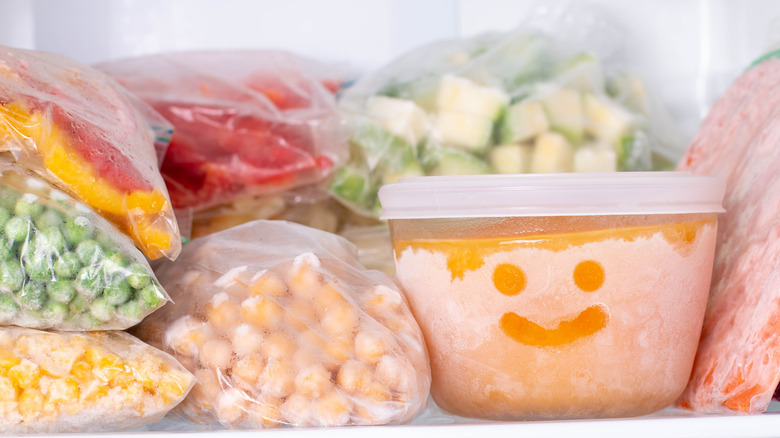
{"points": [[556, 296]]}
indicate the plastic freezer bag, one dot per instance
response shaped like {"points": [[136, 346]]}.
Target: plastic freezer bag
{"points": [[246, 123], [77, 128], [84, 382], [64, 267], [282, 326], [518, 102]]}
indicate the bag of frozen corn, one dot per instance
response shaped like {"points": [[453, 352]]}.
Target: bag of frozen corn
{"points": [[282, 326], [64, 267], [527, 101], [84, 382], [80, 130]]}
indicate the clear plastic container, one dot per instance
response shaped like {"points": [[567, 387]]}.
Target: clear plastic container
{"points": [[556, 296]]}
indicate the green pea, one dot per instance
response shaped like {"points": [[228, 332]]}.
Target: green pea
{"points": [[28, 206], [139, 276], [8, 306], [6, 248], [61, 291], [151, 297], [105, 240], [102, 310], [87, 321], [5, 215], [8, 198], [78, 230], [89, 252], [39, 266], [49, 218], [118, 293], [78, 305], [33, 295], [67, 265], [117, 259], [54, 311], [132, 310], [11, 275], [89, 283], [50, 241], [17, 229]]}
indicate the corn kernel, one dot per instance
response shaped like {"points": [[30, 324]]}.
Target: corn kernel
{"points": [[261, 312], [25, 375], [248, 368], [313, 381], [81, 370], [62, 390], [30, 403], [270, 285], [8, 359], [353, 376], [332, 409], [170, 387], [8, 392], [369, 346]]}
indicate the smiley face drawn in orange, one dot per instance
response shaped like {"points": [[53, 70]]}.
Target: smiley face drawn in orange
{"points": [[588, 276]]}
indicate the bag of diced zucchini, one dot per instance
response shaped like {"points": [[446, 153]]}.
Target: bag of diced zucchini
{"points": [[524, 101], [84, 382], [283, 327], [64, 267]]}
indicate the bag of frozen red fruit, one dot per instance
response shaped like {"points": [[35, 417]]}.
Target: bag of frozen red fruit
{"points": [[81, 131], [246, 123], [282, 326]]}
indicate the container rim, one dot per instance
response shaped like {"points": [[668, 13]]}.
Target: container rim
{"points": [[562, 194]]}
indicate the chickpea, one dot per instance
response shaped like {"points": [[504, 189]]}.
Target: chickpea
{"points": [[340, 320], [369, 346], [297, 410], [313, 381], [328, 295], [246, 339], [216, 354], [278, 378], [304, 280], [384, 300], [392, 373], [264, 413], [223, 312], [278, 346], [332, 409], [248, 368], [269, 285], [231, 406], [353, 376], [261, 312], [299, 314], [376, 391]]}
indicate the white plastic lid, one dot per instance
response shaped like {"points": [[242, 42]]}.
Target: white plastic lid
{"points": [[564, 194]]}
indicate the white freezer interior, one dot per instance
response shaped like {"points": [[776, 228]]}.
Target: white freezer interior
{"points": [[688, 50]]}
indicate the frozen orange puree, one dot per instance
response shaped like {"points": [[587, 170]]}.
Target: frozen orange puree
{"points": [[600, 323]]}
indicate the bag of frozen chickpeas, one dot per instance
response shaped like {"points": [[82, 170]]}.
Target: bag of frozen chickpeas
{"points": [[282, 326]]}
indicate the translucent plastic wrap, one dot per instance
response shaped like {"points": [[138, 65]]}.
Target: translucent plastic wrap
{"points": [[246, 123], [80, 130], [84, 382], [282, 326], [525, 101], [64, 267]]}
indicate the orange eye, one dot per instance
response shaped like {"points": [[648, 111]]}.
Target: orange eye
{"points": [[589, 275], [509, 279]]}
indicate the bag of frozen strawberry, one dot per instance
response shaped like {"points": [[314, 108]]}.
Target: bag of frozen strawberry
{"points": [[84, 133]]}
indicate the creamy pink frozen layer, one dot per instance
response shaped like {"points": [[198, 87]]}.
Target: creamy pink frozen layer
{"points": [[593, 324]]}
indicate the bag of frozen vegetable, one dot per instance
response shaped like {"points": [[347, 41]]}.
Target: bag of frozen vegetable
{"points": [[524, 101], [84, 382], [282, 326], [80, 130], [64, 267], [246, 123]]}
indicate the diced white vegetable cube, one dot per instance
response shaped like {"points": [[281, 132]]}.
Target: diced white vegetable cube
{"points": [[401, 117], [552, 153], [454, 162], [458, 94], [589, 158], [463, 131], [605, 119], [523, 121], [511, 158], [583, 72], [564, 112]]}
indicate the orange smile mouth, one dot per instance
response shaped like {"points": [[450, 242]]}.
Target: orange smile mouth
{"points": [[523, 330]]}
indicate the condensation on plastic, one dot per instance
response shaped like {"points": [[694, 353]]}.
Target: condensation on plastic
{"points": [[80, 130], [282, 326], [52, 382], [528, 64], [246, 123], [64, 267]]}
